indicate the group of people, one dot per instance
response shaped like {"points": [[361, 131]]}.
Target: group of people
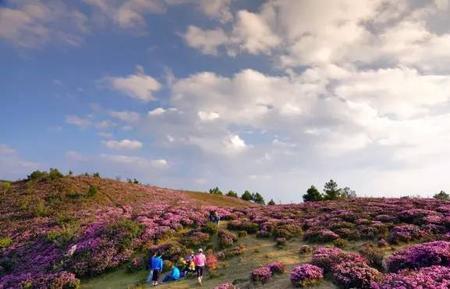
{"points": [[194, 263]]}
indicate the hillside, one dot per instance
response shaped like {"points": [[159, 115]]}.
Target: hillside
{"points": [[67, 232], [25, 200]]}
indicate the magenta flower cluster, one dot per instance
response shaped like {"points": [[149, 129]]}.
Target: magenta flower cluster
{"points": [[434, 277], [265, 273], [305, 275], [421, 255]]}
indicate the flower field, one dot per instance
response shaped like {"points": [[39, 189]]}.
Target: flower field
{"points": [[55, 235]]}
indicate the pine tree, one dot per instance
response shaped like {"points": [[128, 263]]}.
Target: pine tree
{"points": [[247, 196], [312, 195], [332, 191]]}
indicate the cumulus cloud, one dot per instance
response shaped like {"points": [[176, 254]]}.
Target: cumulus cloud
{"points": [[139, 85], [129, 13], [32, 23], [124, 144], [218, 9], [207, 41]]}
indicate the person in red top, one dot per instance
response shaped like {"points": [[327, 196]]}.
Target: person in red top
{"points": [[199, 260]]}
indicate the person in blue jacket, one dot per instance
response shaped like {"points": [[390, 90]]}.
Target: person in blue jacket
{"points": [[156, 265], [174, 274]]}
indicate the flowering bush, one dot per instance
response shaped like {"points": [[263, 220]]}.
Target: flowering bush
{"points": [[249, 227], [306, 275], [421, 255], [405, 233], [261, 274], [276, 267], [320, 236], [226, 238], [211, 261], [195, 239], [287, 231], [327, 258], [355, 275], [434, 277], [231, 252]]}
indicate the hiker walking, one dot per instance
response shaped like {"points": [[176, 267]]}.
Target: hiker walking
{"points": [[199, 261]]}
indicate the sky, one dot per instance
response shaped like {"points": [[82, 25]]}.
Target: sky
{"points": [[270, 96]]}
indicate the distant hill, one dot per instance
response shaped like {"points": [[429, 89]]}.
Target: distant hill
{"points": [[68, 195]]}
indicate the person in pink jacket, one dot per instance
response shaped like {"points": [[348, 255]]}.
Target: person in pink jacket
{"points": [[199, 261]]}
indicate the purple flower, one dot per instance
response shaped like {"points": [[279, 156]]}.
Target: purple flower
{"points": [[306, 275]]}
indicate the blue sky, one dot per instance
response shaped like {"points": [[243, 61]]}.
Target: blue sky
{"points": [[271, 96]]}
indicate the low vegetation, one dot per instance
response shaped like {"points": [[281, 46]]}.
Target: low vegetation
{"points": [[58, 230]]}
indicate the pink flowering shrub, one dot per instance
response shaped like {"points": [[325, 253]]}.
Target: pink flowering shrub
{"points": [[421, 255], [327, 258], [226, 238], [434, 277], [195, 239], [261, 274], [320, 235], [355, 275], [276, 267], [405, 233], [306, 275]]}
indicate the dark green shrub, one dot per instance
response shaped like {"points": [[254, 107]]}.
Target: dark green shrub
{"points": [[54, 174], [92, 191], [340, 243], [232, 194], [215, 191], [242, 234], [37, 175], [210, 228], [5, 242], [287, 231]]}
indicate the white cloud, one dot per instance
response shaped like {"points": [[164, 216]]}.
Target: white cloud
{"points": [[139, 85], [128, 13], [219, 9], [31, 23], [207, 41], [161, 163], [157, 111], [208, 116], [234, 143], [124, 144], [126, 116], [253, 34], [81, 122]]}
